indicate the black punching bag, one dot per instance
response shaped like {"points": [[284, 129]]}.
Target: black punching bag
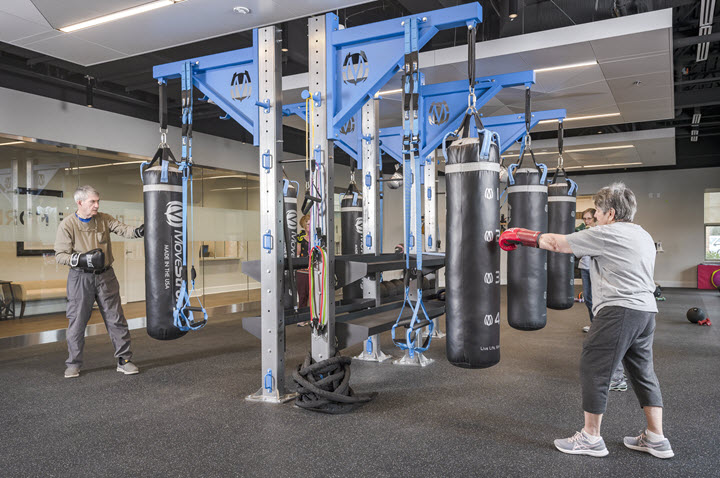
{"points": [[351, 224], [527, 266], [290, 193], [163, 250], [561, 220], [472, 257]]}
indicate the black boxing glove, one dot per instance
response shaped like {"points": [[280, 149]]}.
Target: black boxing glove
{"points": [[140, 231], [88, 261]]}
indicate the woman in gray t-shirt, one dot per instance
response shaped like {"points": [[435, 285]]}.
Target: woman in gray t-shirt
{"points": [[621, 271]]}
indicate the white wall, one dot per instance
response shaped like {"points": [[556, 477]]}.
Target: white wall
{"points": [[670, 208], [24, 114]]}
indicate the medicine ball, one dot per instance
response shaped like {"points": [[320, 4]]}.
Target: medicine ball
{"points": [[695, 315], [658, 292]]}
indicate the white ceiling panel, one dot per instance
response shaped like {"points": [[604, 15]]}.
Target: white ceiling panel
{"points": [[559, 55], [23, 9], [179, 24], [639, 44], [549, 81], [75, 50], [23, 42], [654, 62], [13, 28], [651, 86]]}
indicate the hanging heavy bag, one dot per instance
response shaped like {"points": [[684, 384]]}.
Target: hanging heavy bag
{"points": [[290, 193], [561, 220], [527, 267], [351, 224], [163, 249], [472, 257]]}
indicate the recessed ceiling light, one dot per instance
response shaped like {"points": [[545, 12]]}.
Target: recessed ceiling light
{"points": [[580, 118], [241, 10], [118, 15]]}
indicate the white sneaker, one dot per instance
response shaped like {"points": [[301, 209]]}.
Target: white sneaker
{"points": [[72, 371], [578, 444], [660, 449], [586, 329], [127, 367]]}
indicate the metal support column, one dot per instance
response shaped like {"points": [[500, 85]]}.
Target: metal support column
{"points": [[431, 224], [323, 343], [371, 215], [271, 219]]}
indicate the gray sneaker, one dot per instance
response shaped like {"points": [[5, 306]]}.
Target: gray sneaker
{"points": [[72, 371], [618, 385], [578, 444], [127, 367], [660, 449]]}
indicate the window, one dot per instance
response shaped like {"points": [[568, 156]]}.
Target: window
{"points": [[712, 225]]}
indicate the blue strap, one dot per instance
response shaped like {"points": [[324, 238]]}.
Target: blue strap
{"points": [[544, 172], [164, 171], [511, 168], [573, 186]]}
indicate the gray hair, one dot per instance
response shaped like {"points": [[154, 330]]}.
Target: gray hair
{"points": [[618, 197], [83, 192]]}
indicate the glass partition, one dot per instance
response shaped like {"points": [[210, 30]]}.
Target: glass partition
{"points": [[37, 182]]}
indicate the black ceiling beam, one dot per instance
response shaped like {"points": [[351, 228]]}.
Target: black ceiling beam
{"points": [[697, 98], [689, 41], [697, 81]]}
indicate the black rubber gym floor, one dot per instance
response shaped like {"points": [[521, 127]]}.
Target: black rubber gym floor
{"points": [[185, 415]]}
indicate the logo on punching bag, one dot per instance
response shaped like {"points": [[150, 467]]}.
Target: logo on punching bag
{"points": [[174, 213], [488, 278], [488, 193], [439, 113], [355, 68], [348, 127], [359, 225], [240, 86], [488, 320], [488, 236]]}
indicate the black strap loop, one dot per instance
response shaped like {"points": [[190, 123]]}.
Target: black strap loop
{"points": [[162, 87]]}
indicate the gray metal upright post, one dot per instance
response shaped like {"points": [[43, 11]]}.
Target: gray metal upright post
{"points": [[322, 344], [431, 224], [371, 215], [271, 220]]}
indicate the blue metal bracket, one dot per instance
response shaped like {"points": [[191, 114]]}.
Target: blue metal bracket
{"points": [[347, 138], [360, 60], [229, 79], [267, 161], [267, 241], [268, 385], [511, 128]]}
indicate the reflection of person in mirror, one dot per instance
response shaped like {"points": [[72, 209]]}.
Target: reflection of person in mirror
{"points": [[83, 243]]}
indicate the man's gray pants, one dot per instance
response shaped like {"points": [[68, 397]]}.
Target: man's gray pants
{"points": [[83, 289], [619, 334]]}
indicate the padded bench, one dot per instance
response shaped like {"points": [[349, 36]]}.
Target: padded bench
{"points": [[35, 290]]}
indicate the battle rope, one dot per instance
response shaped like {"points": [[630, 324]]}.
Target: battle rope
{"points": [[325, 386]]}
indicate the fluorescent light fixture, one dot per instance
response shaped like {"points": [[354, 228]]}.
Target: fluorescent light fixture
{"points": [[567, 67], [118, 15], [389, 92], [243, 176], [103, 165], [611, 164], [583, 150], [11, 142], [234, 189], [580, 118]]}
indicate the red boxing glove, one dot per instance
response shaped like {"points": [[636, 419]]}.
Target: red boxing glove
{"points": [[516, 235]]}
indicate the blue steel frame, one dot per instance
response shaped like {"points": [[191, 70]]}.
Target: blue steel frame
{"points": [[360, 60], [510, 128], [348, 138], [229, 79]]}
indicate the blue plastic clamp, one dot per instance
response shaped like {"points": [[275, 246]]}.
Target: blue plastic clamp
{"points": [[368, 180], [573, 186], [267, 161], [429, 193], [267, 241], [265, 105], [368, 240], [368, 345], [544, 173], [367, 137], [430, 241], [511, 168], [411, 242], [268, 380]]}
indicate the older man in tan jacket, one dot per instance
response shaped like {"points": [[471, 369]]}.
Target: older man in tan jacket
{"points": [[83, 243]]}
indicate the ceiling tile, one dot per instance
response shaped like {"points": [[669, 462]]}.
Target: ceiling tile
{"points": [[637, 65], [559, 56], [652, 86], [14, 28], [23, 9], [638, 44], [80, 51]]}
